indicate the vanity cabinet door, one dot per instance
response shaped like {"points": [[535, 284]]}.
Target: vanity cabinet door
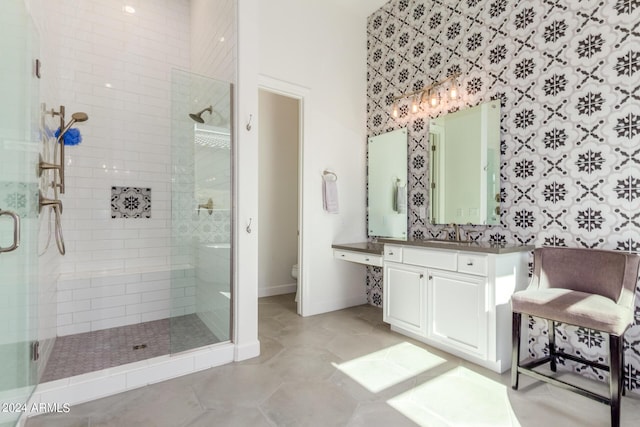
{"points": [[404, 297], [457, 313]]}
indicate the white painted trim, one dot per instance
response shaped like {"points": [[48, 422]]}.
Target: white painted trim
{"points": [[327, 306], [270, 291], [245, 198], [303, 95], [247, 351]]}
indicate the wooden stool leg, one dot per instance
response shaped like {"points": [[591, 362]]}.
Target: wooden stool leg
{"points": [[615, 368], [624, 390], [552, 344], [515, 350]]}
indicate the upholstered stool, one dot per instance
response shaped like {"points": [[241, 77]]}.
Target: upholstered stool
{"points": [[588, 288]]}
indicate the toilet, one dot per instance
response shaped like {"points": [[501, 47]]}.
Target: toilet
{"points": [[294, 274]]}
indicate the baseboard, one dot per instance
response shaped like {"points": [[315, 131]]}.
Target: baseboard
{"points": [[277, 290], [313, 307], [246, 351]]}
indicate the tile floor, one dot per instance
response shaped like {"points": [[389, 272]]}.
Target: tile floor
{"points": [[344, 368], [92, 351]]}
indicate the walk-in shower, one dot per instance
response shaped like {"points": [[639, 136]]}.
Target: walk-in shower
{"points": [[184, 303], [143, 275]]}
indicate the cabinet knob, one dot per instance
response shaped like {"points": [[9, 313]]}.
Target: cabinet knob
{"points": [[421, 276], [469, 262], [430, 277], [366, 259], [342, 255]]}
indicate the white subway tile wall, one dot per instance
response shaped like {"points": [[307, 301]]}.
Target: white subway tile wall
{"points": [[99, 302], [116, 67]]}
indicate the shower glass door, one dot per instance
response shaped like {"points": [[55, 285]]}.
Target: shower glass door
{"points": [[201, 211], [19, 145]]}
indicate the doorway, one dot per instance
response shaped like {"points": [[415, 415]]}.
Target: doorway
{"points": [[280, 258]]}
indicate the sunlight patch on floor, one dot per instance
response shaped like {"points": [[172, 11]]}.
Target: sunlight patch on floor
{"points": [[385, 368], [459, 397]]}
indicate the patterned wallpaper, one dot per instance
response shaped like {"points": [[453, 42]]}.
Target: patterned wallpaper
{"points": [[567, 73]]}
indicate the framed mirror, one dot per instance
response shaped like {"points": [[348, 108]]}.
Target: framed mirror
{"points": [[387, 181], [465, 166]]}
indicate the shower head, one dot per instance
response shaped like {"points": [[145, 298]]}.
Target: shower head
{"points": [[75, 118], [79, 117], [198, 116]]}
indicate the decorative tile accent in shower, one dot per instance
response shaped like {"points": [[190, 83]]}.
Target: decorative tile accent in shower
{"points": [[567, 73], [21, 198], [130, 202]]}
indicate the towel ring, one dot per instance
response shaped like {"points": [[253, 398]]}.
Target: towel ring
{"points": [[331, 176]]}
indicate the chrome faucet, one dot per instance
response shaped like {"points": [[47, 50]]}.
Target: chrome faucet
{"points": [[456, 230]]}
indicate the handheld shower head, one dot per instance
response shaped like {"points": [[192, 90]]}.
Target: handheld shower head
{"points": [[197, 117], [75, 118], [79, 117]]}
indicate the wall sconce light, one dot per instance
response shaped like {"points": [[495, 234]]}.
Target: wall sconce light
{"points": [[431, 92]]}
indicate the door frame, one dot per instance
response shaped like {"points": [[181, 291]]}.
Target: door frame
{"points": [[302, 95]]}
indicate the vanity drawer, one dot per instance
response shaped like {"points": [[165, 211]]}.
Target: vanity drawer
{"points": [[359, 257], [472, 264], [443, 260], [392, 253]]}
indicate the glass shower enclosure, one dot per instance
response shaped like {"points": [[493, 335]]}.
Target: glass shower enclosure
{"points": [[19, 145], [201, 210]]}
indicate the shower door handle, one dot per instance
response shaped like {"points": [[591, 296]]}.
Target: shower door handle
{"points": [[16, 231]]}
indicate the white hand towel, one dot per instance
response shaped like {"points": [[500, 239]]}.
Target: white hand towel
{"points": [[330, 196]]}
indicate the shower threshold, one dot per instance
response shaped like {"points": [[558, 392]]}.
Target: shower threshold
{"points": [[94, 351]]}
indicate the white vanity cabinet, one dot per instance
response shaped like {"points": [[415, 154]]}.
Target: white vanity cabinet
{"points": [[406, 303], [456, 300], [457, 311]]}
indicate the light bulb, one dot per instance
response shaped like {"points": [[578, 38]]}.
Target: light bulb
{"points": [[453, 92], [394, 112], [415, 104], [434, 100]]}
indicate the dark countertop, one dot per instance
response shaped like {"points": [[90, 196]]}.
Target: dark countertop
{"points": [[484, 247], [366, 247]]}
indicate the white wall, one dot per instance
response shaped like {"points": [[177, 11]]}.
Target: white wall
{"points": [[324, 50], [278, 192]]}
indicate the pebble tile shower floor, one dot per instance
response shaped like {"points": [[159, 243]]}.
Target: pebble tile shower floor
{"points": [[92, 351]]}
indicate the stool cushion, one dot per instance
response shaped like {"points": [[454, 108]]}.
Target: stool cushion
{"points": [[575, 308]]}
